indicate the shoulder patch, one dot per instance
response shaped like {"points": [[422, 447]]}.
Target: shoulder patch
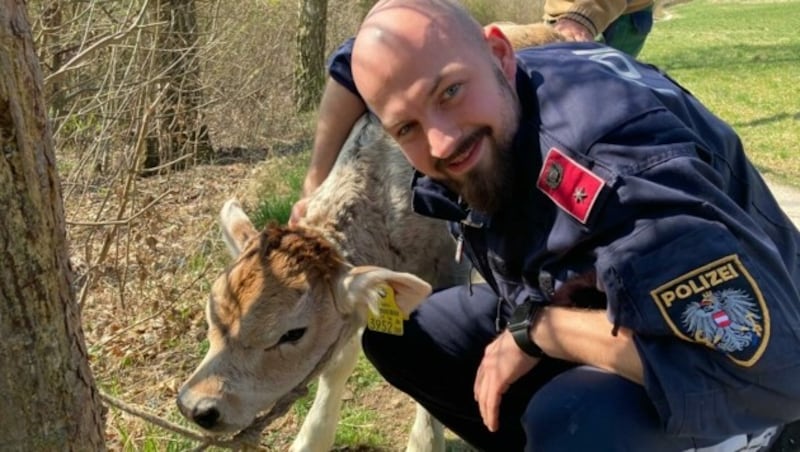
{"points": [[718, 305], [570, 185]]}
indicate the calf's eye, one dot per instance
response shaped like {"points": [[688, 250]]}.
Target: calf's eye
{"points": [[292, 335]]}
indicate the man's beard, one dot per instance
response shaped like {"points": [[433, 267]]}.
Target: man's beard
{"points": [[487, 188]]}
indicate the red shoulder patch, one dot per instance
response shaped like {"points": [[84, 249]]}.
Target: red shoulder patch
{"points": [[571, 186]]}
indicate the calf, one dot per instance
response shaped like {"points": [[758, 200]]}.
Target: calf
{"points": [[293, 303]]}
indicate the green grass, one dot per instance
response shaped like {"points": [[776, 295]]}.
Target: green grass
{"points": [[360, 427], [279, 189], [742, 59]]}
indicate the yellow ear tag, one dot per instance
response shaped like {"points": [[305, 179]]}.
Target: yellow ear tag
{"points": [[390, 317]]}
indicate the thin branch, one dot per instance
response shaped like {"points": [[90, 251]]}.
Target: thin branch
{"points": [[236, 443], [126, 220], [69, 65]]}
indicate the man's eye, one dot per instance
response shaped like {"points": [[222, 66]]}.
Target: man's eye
{"points": [[451, 91], [404, 130]]}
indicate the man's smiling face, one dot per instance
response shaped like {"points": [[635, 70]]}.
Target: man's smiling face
{"points": [[443, 89]]}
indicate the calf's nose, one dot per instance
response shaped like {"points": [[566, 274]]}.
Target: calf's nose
{"points": [[205, 414]]}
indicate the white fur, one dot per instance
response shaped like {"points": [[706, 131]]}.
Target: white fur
{"points": [[364, 207]]}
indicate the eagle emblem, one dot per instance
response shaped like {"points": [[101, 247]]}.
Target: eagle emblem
{"points": [[727, 320]]}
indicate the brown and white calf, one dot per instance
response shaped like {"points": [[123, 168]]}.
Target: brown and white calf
{"points": [[292, 305]]}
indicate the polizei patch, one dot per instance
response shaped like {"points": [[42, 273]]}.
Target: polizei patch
{"points": [[720, 306]]}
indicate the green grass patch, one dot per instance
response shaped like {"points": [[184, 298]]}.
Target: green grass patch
{"points": [[159, 440], [364, 376], [279, 188], [361, 427], [742, 60]]}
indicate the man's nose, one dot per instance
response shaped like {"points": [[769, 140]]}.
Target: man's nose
{"points": [[443, 138]]}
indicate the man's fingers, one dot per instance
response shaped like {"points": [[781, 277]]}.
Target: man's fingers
{"points": [[490, 407], [298, 211], [488, 393], [476, 387], [573, 31]]}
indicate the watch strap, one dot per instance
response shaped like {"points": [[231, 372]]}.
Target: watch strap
{"points": [[520, 330]]}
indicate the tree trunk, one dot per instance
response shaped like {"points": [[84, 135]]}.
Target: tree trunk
{"points": [[309, 74], [180, 130], [364, 6], [52, 55], [48, 392]]}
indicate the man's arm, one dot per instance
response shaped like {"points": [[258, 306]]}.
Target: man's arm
{"points": [[339, 110], [577, 335], [582, 20], [584, 336]]}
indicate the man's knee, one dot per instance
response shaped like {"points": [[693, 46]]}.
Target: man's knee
{"points": [[383, 351], [589, 409]]}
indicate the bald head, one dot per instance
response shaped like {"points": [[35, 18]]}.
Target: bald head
{"points": [[402, 29], [445, 17]]}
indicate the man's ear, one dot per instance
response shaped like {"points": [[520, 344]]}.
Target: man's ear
{"points": [[363, 285], [501, 48]]}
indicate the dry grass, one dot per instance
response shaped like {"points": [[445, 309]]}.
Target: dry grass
{"points": [[143, 315]]}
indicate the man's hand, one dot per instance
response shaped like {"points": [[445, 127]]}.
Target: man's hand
{"points": [[298, 211], [572, 30], [503, 363]]}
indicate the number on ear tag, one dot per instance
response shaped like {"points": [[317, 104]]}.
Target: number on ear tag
{"points": [[390, 317]]}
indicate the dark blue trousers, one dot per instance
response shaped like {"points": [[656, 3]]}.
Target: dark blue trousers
{"points": [[558, 406]]}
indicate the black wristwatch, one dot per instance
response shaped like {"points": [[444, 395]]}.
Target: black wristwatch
{"points": [[520, 326]]}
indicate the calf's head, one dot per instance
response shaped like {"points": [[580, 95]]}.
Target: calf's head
{"points": [[285, 305]]}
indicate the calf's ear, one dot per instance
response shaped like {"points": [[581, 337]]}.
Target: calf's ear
{"points": [[363, 285], [236, 226]]}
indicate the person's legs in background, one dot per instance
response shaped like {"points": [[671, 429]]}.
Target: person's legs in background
{"points": [[629, 32]]}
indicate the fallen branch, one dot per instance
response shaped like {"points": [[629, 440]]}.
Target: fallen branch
{"points": [[125, 221], [235, 443]]}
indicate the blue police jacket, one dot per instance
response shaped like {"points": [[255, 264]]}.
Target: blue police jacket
{"points": [[623, 175]]}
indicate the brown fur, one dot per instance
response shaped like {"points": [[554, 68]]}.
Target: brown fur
{"points": [[529, 35], [293, 254]]}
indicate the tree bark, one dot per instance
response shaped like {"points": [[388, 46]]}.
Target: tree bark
{"points": [[52, 55], [180, 129], [49, 397], [309, 74]]}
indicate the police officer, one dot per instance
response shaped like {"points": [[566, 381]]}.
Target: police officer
{"points": [[622, 24], [642, 282]]}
